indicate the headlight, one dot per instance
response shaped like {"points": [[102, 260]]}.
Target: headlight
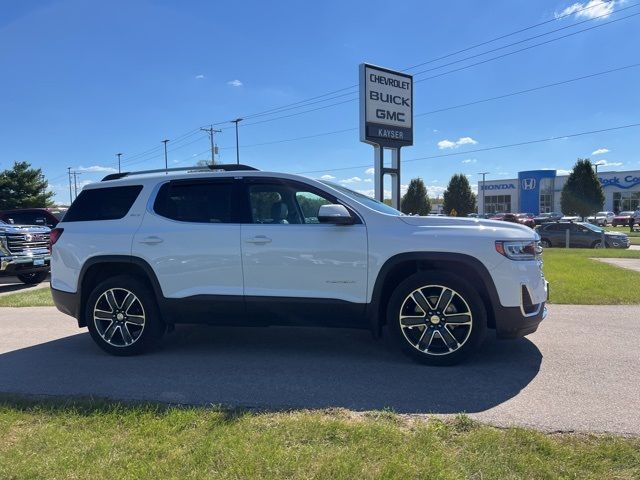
{"points": [[519, 250]]}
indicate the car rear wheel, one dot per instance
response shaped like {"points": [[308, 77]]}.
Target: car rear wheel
{"points": [[33, 278], [123, 317], [436, 318]]}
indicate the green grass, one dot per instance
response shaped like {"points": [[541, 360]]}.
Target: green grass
{"points": [[36, 297], [576, 279], [139, 442]]}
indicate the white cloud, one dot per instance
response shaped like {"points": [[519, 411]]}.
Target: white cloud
{"points": [[445, 144], [327, 177], [561, 171], [600, 151], [368, 180], [369, 171], [469, 160], [96, 169], [606, 163], [590, 9], [351, 180], [199, 77], [234, 83]]}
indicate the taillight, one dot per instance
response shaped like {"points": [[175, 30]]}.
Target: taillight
{"points": [[55, 234]]}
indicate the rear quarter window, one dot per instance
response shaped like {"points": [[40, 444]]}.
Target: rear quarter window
{"points": [[109, 203]]}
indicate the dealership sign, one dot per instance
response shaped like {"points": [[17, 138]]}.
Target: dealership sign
{"points": [[629, 180], [498, 186], [386, 107]]}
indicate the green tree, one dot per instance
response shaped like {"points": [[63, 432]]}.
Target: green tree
{"points": [[582, 193], [23, 187], [459, 197], [416, 200]]}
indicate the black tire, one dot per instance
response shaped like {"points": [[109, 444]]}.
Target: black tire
{"points": [[32, 278], [545, 243], [141, 336], [598, 244], [441, 354]]}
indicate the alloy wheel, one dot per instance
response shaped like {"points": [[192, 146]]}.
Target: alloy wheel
{"points": [[119, 317], [435, 320]]}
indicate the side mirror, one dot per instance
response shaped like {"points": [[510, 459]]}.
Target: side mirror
{"points": [[335, 214]]}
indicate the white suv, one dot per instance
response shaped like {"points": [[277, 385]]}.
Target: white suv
{"points": [[140, 252]]}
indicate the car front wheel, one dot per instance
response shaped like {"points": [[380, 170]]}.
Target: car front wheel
{"points": [[436, 318], [123, 317]]}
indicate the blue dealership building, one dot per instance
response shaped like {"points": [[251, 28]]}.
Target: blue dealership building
{"points": [[538, 191]]}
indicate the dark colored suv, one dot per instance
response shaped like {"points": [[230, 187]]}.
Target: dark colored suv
{"points": [[43, 217], [581, 235]]}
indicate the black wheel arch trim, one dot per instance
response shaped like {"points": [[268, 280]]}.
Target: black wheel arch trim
{"points": [[81, 296], [375, 309]]}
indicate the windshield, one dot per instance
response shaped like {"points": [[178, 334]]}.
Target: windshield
{"points": [[367, 201], [591, 226], [626, 214]]}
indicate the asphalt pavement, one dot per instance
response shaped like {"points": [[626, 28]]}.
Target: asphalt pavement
{"points": [[579, 372]]}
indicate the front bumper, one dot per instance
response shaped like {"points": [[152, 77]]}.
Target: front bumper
{"points": [[19, 264], [515, 322]]}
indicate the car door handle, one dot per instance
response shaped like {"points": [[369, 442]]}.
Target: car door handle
{"points": [[259, 240], [153, 240]]}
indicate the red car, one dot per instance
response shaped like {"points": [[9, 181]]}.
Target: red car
{"points": [[521, 218], [622, 219]]}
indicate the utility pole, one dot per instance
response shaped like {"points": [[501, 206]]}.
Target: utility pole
{"points": [[211, 131], [236, 121], [75, 182], [484, 174], [119, 155], [166, 164], [70, 194]]}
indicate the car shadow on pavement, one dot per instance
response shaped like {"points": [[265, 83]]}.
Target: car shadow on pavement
{"points": [[274, 368]]}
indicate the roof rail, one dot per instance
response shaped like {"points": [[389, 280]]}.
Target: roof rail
{"points": [[230, 167]]}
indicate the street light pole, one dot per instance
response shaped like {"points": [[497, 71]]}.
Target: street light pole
{"points": [[166, 164], [119, 155], [484, 174], [236, 121]]}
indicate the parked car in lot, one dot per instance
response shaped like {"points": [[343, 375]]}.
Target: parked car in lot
{"points": [[24, 252], [138, 253], [622, 219], [47, 217], [547, 217], [521, 218], [581, 235], [602, 218]]}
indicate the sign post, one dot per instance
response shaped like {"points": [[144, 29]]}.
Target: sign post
{"points": [[386, 121]]}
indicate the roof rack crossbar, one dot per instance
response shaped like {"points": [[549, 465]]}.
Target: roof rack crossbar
{"points": [[230, 167]]}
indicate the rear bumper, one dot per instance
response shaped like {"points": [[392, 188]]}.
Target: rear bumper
{"points": [[19, 264], [66, 302]]}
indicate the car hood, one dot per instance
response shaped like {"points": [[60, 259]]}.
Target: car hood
{"points": [[7, 228], [495, 225], [615, 234]]}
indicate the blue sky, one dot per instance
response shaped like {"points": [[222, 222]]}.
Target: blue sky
{"points": [[83, 80]]}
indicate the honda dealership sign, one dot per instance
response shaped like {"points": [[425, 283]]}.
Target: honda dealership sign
{"points": [[386, 107]]}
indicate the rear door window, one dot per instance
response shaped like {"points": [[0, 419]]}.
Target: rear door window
{"points": [[197, 202], [109, 203]]}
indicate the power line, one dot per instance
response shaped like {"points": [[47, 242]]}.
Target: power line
{"points": [[486, 149], [466, 49], [449, 71], [452, 107], [310, 101], [297, 105]]}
